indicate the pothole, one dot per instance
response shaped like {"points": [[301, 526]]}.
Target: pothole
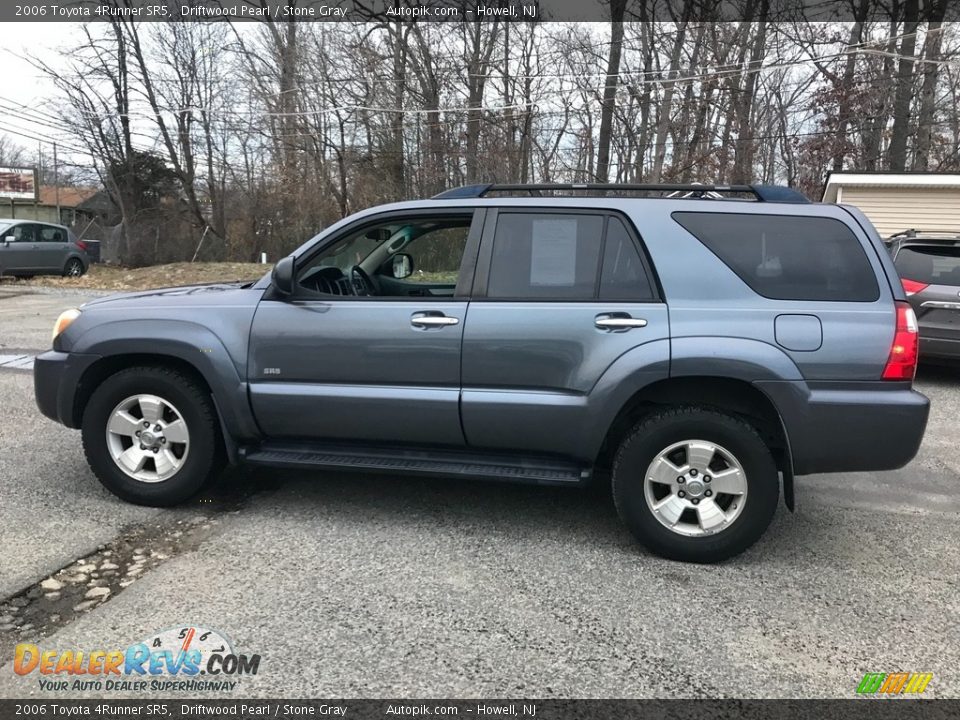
{"points": [[87, 583]]}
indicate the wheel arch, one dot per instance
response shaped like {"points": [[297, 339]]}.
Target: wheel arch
{"points": [[729, 395], [185, 346], [103, 368]]}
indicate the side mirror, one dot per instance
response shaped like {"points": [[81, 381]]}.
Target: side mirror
{"points": [[282, 275], [9, 239], [402, 266]]}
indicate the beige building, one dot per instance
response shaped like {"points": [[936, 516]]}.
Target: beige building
{"points": [[900, 201], [75, 205]]}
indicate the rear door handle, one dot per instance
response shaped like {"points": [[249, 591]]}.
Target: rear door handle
{"points": [[427, 320], [618, 321]]}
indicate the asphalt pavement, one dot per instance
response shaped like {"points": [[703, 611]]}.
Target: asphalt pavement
{"points": [[356, 586]]}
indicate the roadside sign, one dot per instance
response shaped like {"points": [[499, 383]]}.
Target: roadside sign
{"points": [[18, 183]]}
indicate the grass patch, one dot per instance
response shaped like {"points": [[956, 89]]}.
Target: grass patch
{"points": [[111, 277]]}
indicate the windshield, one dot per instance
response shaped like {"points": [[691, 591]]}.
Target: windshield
{"points": [[4, 226], [930, 264]]}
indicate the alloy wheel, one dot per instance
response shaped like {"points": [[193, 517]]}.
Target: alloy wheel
{"points": [[147, 438], [695, 488]]}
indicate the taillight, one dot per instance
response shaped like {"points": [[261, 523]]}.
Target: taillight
{"points": [[912, 287], [902, 363], [83, 246]]}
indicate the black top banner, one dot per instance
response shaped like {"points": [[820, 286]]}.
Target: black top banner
{"points": [[453, 10]]}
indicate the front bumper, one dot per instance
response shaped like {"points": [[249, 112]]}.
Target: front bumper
{"points": [[56, 380], [878, 426]]}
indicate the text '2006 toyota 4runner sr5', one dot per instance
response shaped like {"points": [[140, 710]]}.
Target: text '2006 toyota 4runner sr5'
{"points": [[699, 342]]}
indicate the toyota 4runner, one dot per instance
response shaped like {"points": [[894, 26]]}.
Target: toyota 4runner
{"points": [[702, 344]]}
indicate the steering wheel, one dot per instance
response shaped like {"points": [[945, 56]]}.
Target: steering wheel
{"points": [[360, 282]]}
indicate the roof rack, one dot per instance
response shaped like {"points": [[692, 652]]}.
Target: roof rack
{"points": [[762, 193], [927, 234]]}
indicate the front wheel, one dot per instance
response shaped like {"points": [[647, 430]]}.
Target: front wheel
{"points": [[73, 268], [151, 436], [694, 484]]}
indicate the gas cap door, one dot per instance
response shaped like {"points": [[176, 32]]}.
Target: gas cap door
{"points": [[800, 333]]}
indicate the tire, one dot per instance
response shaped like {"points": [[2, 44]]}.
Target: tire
{"points": [[731, 457], [74, 268], [170, 471]]}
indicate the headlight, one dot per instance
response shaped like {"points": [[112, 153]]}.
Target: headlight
{"points": [[63, 322]]}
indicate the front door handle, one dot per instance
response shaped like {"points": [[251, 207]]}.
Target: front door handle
{"points": [[618, 322], [427, 320]]}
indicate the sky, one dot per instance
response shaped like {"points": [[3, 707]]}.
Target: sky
{"points": [[23, 84]]}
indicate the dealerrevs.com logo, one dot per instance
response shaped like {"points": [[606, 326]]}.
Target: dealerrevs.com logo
{"points": [[187, 658]]}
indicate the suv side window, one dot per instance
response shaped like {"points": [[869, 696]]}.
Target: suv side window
{"points": [[437, 254], [786, 257], [545, 256], [399, 257], [623, 276]]}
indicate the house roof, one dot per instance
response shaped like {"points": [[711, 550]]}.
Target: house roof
{"points": [[887, 179], [69, 196]]}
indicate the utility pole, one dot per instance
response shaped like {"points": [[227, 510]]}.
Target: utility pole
{"points": [[56, 181]]}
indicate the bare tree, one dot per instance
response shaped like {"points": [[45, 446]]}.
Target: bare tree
{"points": [[10, 152]]}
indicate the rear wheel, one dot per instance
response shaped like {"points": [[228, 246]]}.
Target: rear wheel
{"points": [[151, 436], [73, 268], [694, 484]]}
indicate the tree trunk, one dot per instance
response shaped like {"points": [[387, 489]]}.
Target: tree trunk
{"points": [[847, 83], [904, 93], [480, 49], [733, 92], [617, 10], [743, 157], [928, 94], [663, 121]]}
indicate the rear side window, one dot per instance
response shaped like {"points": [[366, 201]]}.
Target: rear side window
{"points": [[929, 264], [545, 256], [51, 234], [624, 276], [788, 257]]}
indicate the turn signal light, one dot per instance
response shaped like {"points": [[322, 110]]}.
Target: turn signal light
{"points": [[63, 322]]}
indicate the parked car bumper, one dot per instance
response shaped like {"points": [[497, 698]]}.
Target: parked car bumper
{"points": [[56, 379], [877, 426], [938, 347]]}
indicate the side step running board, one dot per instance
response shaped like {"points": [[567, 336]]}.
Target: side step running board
{"points": [[510, 468]]}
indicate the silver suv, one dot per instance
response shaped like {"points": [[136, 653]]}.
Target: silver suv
{"points": [[699, 345], [29, 247]]}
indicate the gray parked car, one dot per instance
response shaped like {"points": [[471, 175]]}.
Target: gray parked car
{"points": [[929, 266], [28, 247], [703, 351]]}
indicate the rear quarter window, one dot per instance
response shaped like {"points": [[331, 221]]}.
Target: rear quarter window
{"points": [[786, 257]]}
